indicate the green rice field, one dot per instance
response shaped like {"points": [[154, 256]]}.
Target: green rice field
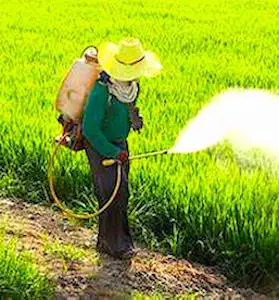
{"points": [[205, 206]]}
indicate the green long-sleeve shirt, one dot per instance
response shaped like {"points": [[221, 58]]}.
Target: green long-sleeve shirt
{"points": [[105, 121]]}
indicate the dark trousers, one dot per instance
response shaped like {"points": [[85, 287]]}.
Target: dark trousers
{"points": [[114, 236]]}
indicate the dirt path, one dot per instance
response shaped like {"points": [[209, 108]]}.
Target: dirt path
{"points": [[66, 252]]}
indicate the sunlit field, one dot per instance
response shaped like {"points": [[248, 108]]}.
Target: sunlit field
{"points": [[204, 206]]}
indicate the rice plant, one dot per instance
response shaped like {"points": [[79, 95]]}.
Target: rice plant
{"points": [[205, 206]]}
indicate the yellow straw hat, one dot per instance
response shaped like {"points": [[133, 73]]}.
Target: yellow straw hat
{"points": [[128, 61]]}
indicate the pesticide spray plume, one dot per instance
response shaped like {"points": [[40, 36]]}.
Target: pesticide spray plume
{"points": [[247, 118]]}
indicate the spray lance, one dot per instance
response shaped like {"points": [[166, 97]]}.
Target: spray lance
{"points": [[110, 162]]}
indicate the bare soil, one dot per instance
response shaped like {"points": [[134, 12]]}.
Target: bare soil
{"points": [[79, 272]]}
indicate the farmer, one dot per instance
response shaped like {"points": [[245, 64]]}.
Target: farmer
{"points": [[109, 115]]}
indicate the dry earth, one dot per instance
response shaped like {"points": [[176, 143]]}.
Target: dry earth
{"points": [[65, 251]]}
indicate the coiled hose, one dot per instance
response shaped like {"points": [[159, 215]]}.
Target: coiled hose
{"points": [[57, 201]]}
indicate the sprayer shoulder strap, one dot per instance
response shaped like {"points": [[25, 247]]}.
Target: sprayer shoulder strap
{"points": [[107, 90]]}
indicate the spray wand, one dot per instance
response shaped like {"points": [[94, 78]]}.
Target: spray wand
{"points": [[109, 162]]}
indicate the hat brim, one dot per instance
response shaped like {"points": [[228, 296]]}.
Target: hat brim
{"points": [[150, 66]]}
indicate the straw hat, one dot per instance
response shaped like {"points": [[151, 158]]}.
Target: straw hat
{"points": [[127, 60]]}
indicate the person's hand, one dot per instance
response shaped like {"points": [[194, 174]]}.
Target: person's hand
{"points": [[123, 156]]}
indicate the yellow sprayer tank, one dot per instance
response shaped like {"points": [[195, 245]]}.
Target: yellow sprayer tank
{"points": [[72, 95]]}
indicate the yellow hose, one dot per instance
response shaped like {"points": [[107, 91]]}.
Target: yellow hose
{"points": [[59, 203]]}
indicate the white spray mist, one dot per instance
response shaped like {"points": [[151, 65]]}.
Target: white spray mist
{"points": [[247, 118]]}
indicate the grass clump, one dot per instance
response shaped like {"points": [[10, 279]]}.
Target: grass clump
{"points": [[69, 253], [19, 278]]}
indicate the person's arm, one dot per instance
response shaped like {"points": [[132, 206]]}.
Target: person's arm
{"points": [[93, 116]]}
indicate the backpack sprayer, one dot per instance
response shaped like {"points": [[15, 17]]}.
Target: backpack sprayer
{"points": [[70, 101]]}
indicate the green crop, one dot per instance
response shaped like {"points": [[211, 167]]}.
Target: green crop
{"points": [[205, 206], [19, 278]]}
